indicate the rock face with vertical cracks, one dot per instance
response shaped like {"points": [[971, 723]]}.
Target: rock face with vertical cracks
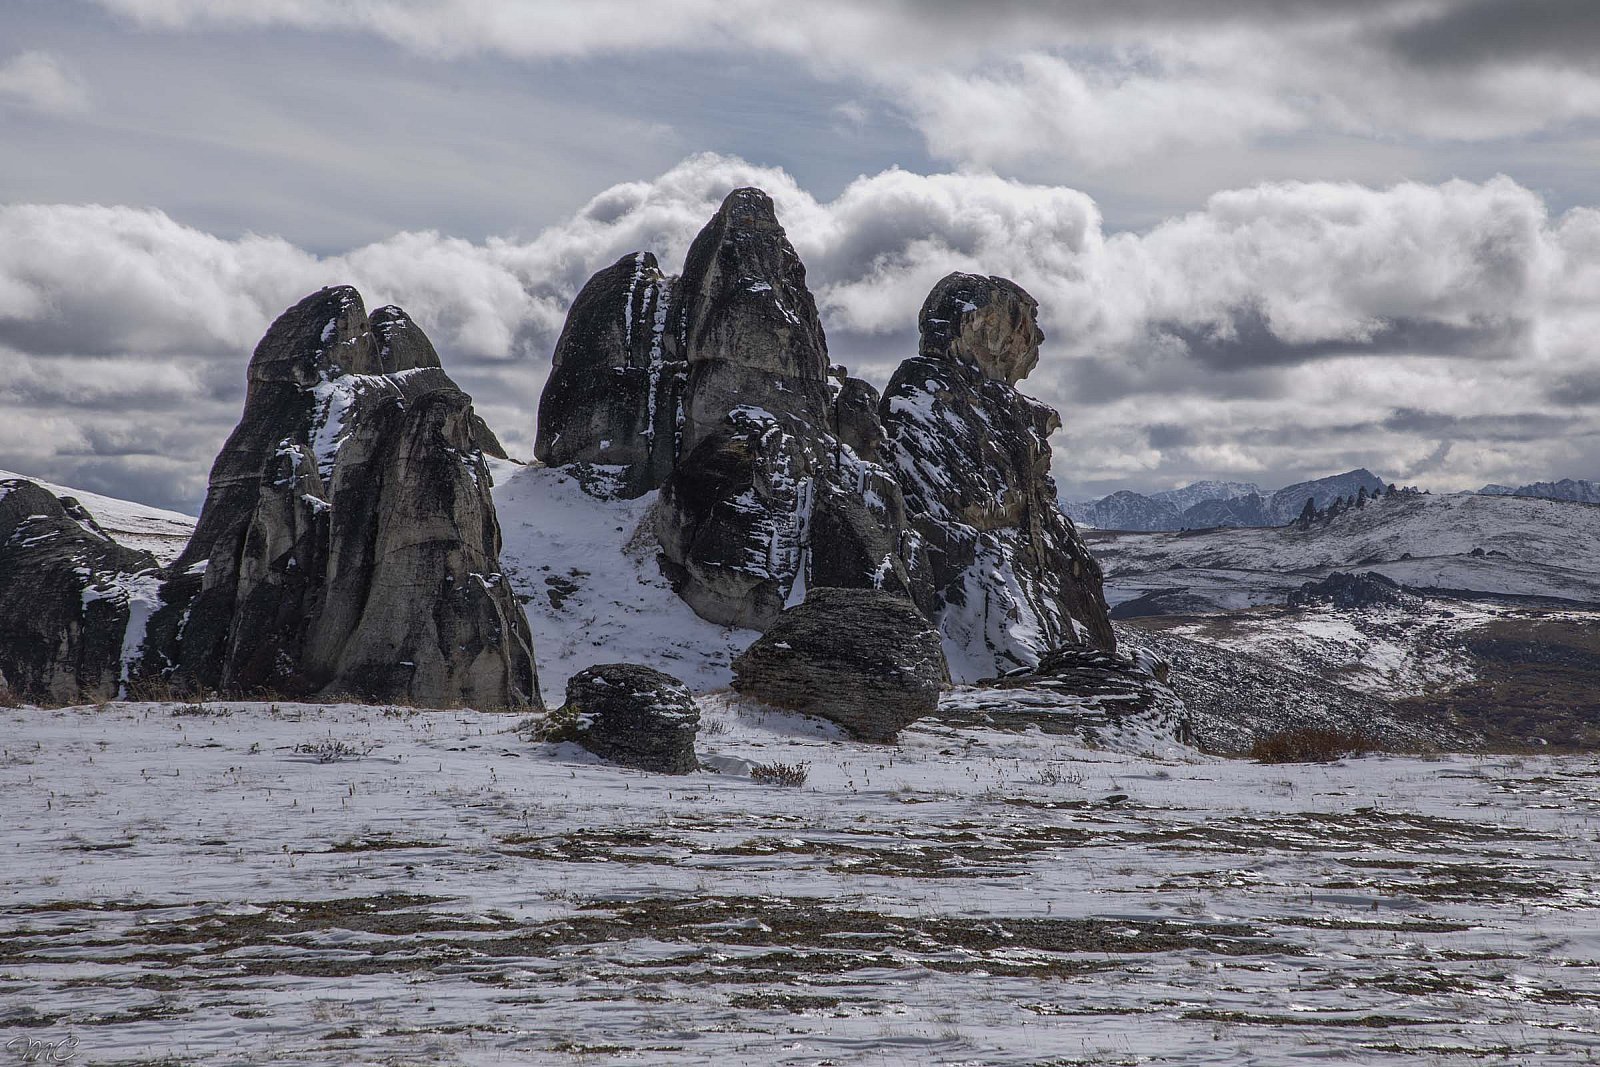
{"points": [[715, 387], [610, 406], [1011, 576], [68, 594], [348, 543]]}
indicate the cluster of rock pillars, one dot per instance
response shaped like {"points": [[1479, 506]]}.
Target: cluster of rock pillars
{"points": [[348, 546]]}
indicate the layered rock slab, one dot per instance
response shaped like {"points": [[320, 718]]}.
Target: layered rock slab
{"points": [[1011, 576], [863, 658], [69, 595], [348, 544]]}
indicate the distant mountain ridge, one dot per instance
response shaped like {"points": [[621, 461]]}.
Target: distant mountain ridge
{"points": [[1211, 504], [1577, 489]]}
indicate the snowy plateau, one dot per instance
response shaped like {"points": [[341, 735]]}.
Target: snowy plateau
{"points": [[221, 882]]}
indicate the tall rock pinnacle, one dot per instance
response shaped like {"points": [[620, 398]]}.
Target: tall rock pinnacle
{"points": [[972, 456]]}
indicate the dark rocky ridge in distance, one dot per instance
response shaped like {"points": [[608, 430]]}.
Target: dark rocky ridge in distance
{"points": [[67, 596], [348, 543]]}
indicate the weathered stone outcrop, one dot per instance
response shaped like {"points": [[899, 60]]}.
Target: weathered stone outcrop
{"points": [[402, 348], [864, 658], [788, 475], [733, 517], [68, 593], [611, 404], [1011, 575], [1107, 698], [348, 543], [630, 715], [1354, 591]]}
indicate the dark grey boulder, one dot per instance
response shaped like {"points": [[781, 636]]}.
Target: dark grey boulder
{"points": [[68, 593], [348, 544], [629, 715], [612, 399], [1011, 576], [863, 658]]}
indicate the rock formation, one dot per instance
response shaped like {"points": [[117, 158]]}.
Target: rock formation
{"points": [[1011, 576], [1347, 591], [1107, 698], [630, 715], [611, 405], [68, 594], [348, 543], [786, 475], [864, 658], [716, 387]]}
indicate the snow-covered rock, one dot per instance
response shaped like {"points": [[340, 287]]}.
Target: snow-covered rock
{"points": [[1011, 576], [70, 597], [348, 543]]}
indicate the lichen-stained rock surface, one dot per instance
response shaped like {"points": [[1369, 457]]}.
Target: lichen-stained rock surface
{"points": [[348, 543], [1011, 576], [70, 597], [864, 658], [630, 715], [612, 398]]}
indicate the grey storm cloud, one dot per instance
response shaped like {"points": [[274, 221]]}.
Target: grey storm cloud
{"points": [[125, 333], [1093, 83]]}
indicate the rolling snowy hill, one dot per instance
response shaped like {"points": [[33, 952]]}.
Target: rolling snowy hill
{"points": [[160, 532], [1483, 545]]}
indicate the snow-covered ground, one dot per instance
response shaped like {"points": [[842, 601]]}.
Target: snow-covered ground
{"points": [[587, 572], [246, 883], [1390, 653], [161, 533], [1527, 548]]}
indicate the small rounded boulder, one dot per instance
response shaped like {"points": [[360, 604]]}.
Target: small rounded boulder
{"points": [[630, 715]]}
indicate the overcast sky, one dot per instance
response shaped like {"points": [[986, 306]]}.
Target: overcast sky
{"points": [[1271, 239]]}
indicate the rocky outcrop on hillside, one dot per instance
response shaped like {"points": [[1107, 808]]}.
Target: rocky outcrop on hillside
{"points": [[1234, 699], [68, 594], [629, 715], [1011, 576], [1107, 698], [1347, 592], [348, 543], [863, 658]]}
